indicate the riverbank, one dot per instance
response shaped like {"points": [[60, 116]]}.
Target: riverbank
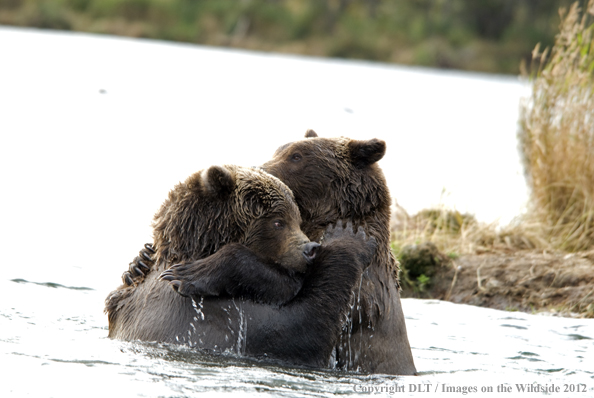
{"points": [[531, 281], [492, 37]]}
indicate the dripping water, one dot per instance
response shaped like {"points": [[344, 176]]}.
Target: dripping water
{"points": [[349, 325], [360, 321], [198, 307], [242, 329], [229, 322]]}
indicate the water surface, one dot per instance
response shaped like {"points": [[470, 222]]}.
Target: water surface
{"points": [[53, 339]]}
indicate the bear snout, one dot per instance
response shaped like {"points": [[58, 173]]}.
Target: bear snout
{"points": [[309, 251]]}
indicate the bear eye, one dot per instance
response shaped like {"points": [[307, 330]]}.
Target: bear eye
{"points": [[296, 157], [278, 224]]}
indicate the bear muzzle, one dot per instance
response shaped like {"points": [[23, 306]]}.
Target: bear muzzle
{"points": [[309, 251]]}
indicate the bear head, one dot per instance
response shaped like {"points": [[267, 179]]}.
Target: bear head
{"points": [[335, 178], [224, 204]]}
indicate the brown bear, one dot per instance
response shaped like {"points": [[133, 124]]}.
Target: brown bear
{"points": [[259, 297], [339, 178], [275, 234]]}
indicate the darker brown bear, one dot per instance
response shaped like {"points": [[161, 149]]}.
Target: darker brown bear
{"points": [[238, 230], [338, 178]]}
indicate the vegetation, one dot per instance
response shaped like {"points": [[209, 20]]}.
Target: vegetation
{"points": [[488, 35], [557, 145], [557, 135], [454, 234], [512, 268]]}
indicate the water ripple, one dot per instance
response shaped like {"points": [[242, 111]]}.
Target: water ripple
{"points": [[52, 285]]}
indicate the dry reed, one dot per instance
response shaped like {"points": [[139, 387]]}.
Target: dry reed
{"points": [[456, 234], [557, 134]]}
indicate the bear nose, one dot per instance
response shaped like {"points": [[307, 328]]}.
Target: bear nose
{"points": [[309, 251]]}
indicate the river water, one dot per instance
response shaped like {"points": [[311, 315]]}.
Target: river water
{"points": [[94, 132], [53, 344]]}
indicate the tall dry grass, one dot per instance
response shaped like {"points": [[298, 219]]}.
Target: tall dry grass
{"points": [[557, 144], [557, 134], [454, 233]]}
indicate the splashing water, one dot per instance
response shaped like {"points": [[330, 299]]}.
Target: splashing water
{"points": [[63, 337], [198, 308]]}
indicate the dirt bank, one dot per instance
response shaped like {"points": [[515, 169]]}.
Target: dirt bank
{"points": [[527, 281]]}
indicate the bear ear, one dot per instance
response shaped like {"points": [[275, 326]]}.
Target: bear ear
{"points": [[364, 153], [218, 181], [310, 134]]}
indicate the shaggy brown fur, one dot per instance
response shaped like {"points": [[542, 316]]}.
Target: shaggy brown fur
{"points": [[210, 209], [338, 178]]}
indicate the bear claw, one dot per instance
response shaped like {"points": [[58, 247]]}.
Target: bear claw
{"points": [[167, 276], [341, 231], [143, 265], [140, 266], [127, 279], [149, 247]]}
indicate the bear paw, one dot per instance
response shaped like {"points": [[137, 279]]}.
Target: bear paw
{"points": [[140, 266], [365, 246], [187, 280]]}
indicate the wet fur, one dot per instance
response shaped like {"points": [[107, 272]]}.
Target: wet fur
{"points": [[338, 178]]}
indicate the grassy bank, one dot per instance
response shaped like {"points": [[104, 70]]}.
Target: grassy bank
{"points": [[488, 36], [544, 260]]}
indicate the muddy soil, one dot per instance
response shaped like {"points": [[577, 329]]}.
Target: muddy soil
{"points": [[529, 281]]}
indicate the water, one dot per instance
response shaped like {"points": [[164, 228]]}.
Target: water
{"points": [[94, 131], [53, 339], [95, 106]]}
